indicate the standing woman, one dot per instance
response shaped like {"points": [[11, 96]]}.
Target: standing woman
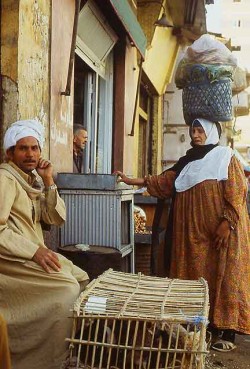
{"points": [[210, 227]]}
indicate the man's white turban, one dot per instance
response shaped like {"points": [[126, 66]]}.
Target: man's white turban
{"points": [[21, 129]]}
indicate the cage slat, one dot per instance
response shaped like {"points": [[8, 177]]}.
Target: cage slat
{"points": [[132, 321]]}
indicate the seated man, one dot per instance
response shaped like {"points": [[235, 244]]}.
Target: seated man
{"points": [[38, 286]]}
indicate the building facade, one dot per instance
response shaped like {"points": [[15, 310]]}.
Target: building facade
{"points": [[235, 24], [100, 63]]}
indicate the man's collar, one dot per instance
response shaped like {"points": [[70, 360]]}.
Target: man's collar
{"points": [[29, 178], [77, 153]]}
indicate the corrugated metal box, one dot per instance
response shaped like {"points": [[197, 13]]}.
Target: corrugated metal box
{"points": [[98, 218], [100, 214]]}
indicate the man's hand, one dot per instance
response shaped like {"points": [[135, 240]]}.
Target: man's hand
{"points": [[45, 171], [222, 234], [44, 168], [47, 259]]}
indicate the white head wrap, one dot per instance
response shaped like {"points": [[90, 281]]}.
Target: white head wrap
{"points": [[210, 129], [21, 129], [214, 165]]}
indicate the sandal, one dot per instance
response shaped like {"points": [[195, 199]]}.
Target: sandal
{"points": [[223, 346]]}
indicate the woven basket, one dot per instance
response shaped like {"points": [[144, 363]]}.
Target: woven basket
{"points": [[207, 93], [212, 101]]}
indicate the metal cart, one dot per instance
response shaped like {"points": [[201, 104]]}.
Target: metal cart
{"points": [[99, 212]]}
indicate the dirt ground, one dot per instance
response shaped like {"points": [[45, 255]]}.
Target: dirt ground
{"points": [[236, 359]]}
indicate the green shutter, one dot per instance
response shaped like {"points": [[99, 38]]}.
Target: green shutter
{"points": [[131, 24]]}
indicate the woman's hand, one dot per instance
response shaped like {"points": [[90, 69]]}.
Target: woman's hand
{"points": [[222, 234], [129, 181], [123, 177]]}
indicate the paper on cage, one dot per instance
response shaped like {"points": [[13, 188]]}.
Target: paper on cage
{"points": [[96, 304]]}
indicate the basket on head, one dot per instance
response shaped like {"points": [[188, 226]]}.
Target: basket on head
{"points": [[205, 99]]}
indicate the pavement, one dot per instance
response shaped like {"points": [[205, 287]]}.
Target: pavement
{"points": [[236, 359]]}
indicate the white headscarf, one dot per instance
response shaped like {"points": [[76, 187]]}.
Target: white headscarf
{"points": [[21, 129], [214, 165], [210, 129]]}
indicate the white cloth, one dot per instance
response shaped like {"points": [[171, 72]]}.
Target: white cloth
{"points": [[210, 129], [214, 165], [21, 129]]}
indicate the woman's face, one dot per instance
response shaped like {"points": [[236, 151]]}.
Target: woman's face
{"points": [[198, 135]]}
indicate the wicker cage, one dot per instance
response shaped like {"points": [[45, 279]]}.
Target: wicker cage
{"points": [[132, 321]]}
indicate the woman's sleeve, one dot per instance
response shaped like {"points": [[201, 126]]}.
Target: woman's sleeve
{"points": [[162, 185], [235, 192]]}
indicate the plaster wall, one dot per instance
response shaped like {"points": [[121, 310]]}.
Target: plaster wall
{"points": [[9, 38], [173, 112], [31, 56], [9, 65], [235, 24], [175, 144], [33, 63], [24, 56], [242, 142], [25, 27], [61, 112], [176, 140], [240, 100]]}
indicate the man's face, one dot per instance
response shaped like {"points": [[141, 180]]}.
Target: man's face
{"points": [[80, 139], [26, 154]]}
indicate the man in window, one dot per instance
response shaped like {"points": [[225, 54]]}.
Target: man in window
{"points": [[80, 138]]}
